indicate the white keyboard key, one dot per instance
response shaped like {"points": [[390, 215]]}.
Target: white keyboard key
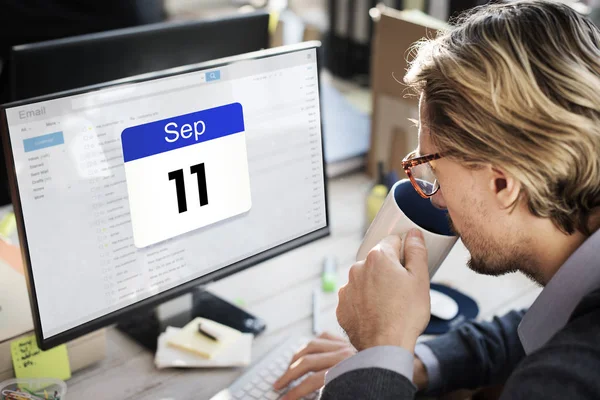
{"points": [[264, 373], [240, 395], [283, 366], [257, 383], [279, 363]]}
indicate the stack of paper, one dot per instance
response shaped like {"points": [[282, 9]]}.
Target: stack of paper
{"points": [[185, 347]]}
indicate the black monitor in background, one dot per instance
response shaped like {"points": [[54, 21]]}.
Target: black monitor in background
{"points": [[70, 63]]}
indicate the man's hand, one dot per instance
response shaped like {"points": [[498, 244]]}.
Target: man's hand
{"points": [[318, 356], [385, 303]]}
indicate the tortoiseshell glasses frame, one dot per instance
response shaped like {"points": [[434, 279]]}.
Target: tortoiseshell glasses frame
{"points": [[410, 161]]}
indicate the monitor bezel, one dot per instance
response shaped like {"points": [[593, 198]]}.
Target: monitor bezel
{"points": [[153, 301]]}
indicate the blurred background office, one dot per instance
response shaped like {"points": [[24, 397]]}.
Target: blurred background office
{"points": [[346, 27], [30, 21]]}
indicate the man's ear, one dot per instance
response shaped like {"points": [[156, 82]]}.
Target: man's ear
{"points": [[505, 187]]}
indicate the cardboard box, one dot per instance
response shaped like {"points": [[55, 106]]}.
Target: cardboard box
{"points": [[393, 135], [311, 32]]}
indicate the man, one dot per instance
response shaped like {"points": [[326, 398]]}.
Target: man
{"points": [[510, 111]]}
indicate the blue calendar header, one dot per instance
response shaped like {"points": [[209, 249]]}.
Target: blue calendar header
{"points": [[184, 130]]}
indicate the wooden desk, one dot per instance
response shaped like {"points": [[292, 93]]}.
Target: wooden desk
{"points": [[279, 290]]}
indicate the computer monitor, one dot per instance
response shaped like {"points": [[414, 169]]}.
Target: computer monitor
{"points": [[131, 194], [64, 64]]}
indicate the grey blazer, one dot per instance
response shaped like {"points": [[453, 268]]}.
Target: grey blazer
{"points": [[566, 367]]}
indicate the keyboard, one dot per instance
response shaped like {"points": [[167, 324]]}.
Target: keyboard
{"points": [[257, 382]]}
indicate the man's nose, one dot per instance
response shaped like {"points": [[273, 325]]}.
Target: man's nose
{"points": [[438, 200]]}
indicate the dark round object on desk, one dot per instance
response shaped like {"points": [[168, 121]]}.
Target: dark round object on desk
{"points": [[467, 310]]}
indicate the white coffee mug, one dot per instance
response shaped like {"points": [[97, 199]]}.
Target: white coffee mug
{"points": [[404, 209]]}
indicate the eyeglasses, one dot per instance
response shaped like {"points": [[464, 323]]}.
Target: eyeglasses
{"points": [[421, 173]]}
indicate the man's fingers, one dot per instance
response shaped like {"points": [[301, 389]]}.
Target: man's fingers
{"points": [[309, 363], [331, 336], [390, 245], [415, 254], [319, 346], [309, 385]]}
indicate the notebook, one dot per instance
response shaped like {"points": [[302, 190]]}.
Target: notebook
{"points": [[237, 354], [189, 339]]}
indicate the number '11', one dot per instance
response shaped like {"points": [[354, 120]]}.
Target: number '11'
{"points": [[177, 175]]}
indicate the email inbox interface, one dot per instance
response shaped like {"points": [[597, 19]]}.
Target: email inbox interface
{"points": [[127, 192]]}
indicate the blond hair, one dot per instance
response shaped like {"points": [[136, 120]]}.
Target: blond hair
{"points": [[517, 85]]}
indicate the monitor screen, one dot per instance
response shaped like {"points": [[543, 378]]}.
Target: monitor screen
{"points": [[128, 193]]}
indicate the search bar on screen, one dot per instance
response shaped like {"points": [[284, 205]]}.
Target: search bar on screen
{"points": [[212, 75], [117, 95]]}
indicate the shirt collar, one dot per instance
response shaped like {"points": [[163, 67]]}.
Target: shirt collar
{"points": [[550, 312]]}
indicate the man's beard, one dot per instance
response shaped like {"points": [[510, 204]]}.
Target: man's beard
{"points": [[487, 258]]}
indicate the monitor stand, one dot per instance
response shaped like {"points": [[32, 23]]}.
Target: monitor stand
{"points": [[145, 326]]}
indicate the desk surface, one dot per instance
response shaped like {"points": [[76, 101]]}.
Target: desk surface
{"points": [[279, 291]]}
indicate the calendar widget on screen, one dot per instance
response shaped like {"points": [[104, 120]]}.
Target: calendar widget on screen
{"points": [[186, 172]]}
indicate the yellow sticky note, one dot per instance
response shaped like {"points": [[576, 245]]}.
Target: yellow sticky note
{"points": [[273, 21], [8, 225], [31, 362]]}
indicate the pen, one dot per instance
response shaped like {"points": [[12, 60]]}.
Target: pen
{"points": [[206, 332], [316, 308]]}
